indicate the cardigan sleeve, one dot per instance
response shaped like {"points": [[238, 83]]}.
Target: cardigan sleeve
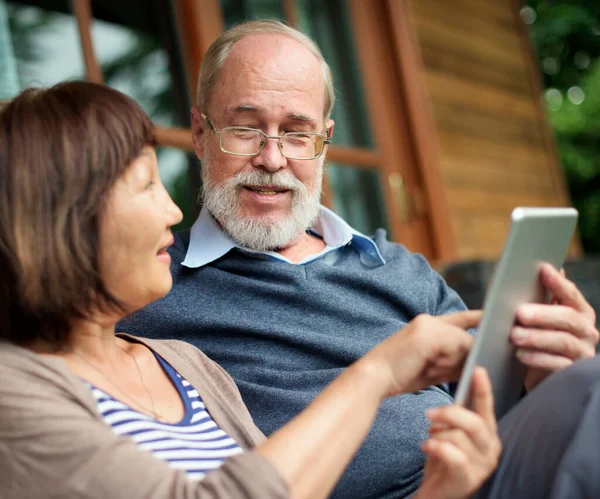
{"points": [[53, 445]]}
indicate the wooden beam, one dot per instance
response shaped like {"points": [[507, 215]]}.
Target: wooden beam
{"points": [[83, 13], [290, 13], [180, 138], [422, 127], [200, 23], [384, 94], [354, 156]]}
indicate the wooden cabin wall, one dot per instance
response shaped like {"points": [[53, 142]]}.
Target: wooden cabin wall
{"points": [[494, 145]]}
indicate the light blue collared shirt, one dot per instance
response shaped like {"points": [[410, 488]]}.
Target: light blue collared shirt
{"points": [[208, 241]]}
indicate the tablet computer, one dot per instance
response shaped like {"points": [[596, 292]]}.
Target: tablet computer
{"points": [[536, 235]]}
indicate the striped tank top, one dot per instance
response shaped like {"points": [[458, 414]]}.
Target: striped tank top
{"points": [[196, 444]]}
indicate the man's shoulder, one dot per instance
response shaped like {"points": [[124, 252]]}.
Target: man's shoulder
{"points": [[396, 254]]}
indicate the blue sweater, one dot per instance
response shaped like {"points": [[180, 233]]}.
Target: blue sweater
{"points": [[284, 331]]}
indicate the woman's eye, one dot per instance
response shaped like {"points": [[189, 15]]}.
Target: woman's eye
{"points": [[150, 184]]}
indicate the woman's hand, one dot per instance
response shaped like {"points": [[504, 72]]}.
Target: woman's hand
{"points": [[463, 448], [428, 351]]}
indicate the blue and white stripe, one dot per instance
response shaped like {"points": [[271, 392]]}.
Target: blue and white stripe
{"points": [[196, 444]]}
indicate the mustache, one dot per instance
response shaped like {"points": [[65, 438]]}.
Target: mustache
{"points": [[283, 179]]}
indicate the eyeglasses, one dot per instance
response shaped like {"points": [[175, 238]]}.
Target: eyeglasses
{"points": [[245, 141]]}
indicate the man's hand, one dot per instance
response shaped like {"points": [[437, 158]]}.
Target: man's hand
{"points": [[551, 337], [463, 446]]}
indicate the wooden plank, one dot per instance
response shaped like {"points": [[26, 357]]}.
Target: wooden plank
{"points": [[479, 176], [482, 237], [478, 125], [455, 36], [422, 127], [456, 144], [475, 67], [83, 13], [496, 9], [530, 176], [475, 95], [474, 201], [477, 22]]}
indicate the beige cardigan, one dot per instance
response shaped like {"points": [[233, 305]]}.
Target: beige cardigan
{"points": [[54, 444]]}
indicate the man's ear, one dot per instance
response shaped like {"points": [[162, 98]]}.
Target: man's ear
{"points": [[329, 126], [199, 128]]}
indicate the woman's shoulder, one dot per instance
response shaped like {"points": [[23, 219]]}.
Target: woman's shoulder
{"points": [[30, 382], [22, 364]]}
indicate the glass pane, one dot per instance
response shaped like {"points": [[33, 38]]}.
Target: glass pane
{"points": [[46, 45], [47, 49], [328, 23], [135, 63], [235, 11], [357, 196]]}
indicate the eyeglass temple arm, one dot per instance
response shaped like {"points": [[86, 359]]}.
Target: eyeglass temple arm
{"points": [[210, 125]]}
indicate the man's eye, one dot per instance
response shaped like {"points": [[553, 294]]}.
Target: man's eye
{"points": [[300, 138], [244, 134]]}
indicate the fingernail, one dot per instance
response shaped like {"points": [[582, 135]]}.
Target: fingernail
{"points": [[430, 412], [525, 312], [519, 333], [522, 354]]}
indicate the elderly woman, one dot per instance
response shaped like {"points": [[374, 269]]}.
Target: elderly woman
{"points": [[84, 412]]}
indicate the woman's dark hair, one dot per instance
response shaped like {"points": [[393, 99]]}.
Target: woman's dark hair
{"points": [[61, 151]]}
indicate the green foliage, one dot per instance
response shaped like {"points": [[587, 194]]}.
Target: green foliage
{"points": [[566, 35], [577, 128]]}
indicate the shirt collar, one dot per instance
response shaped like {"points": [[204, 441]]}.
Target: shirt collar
{"points": [[208, 242]]}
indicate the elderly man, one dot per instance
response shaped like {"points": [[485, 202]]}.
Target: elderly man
{"points": [[282, 292]]}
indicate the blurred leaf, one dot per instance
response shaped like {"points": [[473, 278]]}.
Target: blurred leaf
{"points": [[569, 32]]}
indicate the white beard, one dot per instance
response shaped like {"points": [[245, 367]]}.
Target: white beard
{"points": [[260, 233]]}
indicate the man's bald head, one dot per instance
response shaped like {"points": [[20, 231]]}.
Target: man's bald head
{"points": [[221, 48]]}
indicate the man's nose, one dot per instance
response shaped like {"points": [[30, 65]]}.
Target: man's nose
{"points": [[270, 158]]}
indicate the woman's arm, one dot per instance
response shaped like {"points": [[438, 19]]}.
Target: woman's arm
{"points": [[312, 451], [46, 429]]}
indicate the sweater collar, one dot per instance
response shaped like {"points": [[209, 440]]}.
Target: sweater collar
{"points": [[208, 241]]}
